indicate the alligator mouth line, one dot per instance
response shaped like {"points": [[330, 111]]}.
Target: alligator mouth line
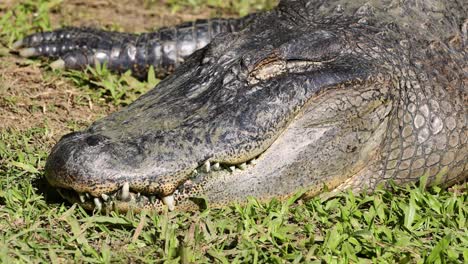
{"points": [[124, 198]]}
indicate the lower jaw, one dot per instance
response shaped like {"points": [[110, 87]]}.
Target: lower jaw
{"points": [[106, 203], [181, 199]]}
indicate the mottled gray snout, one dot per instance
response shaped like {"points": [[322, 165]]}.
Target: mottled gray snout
{"points": [[77, 159]]}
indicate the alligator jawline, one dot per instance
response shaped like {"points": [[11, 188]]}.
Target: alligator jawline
{"points": [[124, 199]]}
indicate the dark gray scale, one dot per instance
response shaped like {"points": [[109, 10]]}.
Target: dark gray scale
{"points": [[168, 39], [167, 48]]}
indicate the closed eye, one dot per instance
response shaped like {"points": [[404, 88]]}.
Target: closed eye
{"points": [[275, 68]]}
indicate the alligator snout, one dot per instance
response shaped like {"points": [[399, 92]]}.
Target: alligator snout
{"points": [[93, 166], [81, 160], [100, 171]]}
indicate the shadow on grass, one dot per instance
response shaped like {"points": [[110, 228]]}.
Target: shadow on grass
{"points": [[50, 194]]}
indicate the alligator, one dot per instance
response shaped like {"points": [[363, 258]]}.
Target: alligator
{"points": [[313, 95]]}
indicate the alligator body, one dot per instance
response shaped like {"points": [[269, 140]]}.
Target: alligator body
{"points": [[311, 95]]}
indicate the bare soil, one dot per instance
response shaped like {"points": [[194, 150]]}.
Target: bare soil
{"points": [[31, 96]]}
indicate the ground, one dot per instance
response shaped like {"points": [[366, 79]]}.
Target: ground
{"points": [[31, 96], [38, 106]]}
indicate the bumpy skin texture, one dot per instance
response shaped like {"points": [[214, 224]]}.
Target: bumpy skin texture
{"points": [[339, 93]]}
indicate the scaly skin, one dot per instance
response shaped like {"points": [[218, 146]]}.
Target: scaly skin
{"points": [[313, 94]]}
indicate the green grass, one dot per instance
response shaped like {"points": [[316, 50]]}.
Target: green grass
{"points": [[239, 7], [24, 18], [401, 225], [118, 89], [405, 225]]}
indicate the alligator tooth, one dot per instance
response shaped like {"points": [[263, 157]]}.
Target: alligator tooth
{"points": [[206, 167], [28, 52], [98, 204], [169, 201], [187, 184], [82, 198], [58, 64], [216, 167], [194, 173], [125, 191], [104, 197], [243, 166], [87, 196], [232, 168], [206, 60], [253, 162]]}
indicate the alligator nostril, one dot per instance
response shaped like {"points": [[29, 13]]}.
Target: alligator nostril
{"points": [[94, 140]]}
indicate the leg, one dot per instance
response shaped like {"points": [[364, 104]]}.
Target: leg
{"points": [[164, 49]]}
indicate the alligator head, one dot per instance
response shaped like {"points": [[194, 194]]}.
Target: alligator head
{"points": [[291, 102]]}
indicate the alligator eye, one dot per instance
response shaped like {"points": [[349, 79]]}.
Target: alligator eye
{"points": [[267, 69], [273, 67]]}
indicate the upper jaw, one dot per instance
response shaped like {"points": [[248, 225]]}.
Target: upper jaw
{"points": [[98, 162], [133, 146]]}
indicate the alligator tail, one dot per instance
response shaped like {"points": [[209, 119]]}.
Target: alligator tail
{"points": [[164, 49]]}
